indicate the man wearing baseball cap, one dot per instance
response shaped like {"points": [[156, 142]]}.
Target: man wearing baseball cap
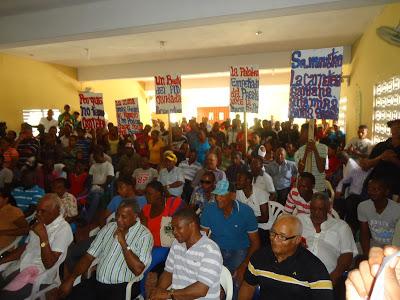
{"points": [[233, 227], [171, 176], [385, 159]]}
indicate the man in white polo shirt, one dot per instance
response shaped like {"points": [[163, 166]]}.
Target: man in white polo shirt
{"points": [[171, 176], [48, 121], [194, 264], [331, 240]]}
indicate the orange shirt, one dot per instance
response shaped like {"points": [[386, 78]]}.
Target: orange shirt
{"points": [[155, 151], [8, 214], [154, 224]]}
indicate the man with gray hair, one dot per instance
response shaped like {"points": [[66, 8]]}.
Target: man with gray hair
{"points": [[123, 250], [286, 270], [330, 239], [49, 237]]}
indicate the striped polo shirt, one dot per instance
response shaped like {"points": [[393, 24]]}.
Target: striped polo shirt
{"points": [[112, 267], [189, 170], [300, 276], [200, 263], [295, 202], [27, 197]]}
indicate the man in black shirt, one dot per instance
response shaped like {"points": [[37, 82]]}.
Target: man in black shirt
{"points": [[286, 270], [385, 159]]}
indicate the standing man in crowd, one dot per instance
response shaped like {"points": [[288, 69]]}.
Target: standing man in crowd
{"points": [[360, 146], [286, 270], [48, 121], [319, 154], [194, 264], [282, 171]]}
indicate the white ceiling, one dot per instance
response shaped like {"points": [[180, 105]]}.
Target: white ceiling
{"points": [[313, 30], [14, 7]]}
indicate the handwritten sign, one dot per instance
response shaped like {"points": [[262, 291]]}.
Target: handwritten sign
{"points": [[127, 116], [315, 83], [168, 94], [92, 110], [244, 89]]}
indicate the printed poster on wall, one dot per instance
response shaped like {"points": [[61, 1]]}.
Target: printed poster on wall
{"points": [[168, 94], [92, 110], [244, 88], [315, 83], [127, 116]]}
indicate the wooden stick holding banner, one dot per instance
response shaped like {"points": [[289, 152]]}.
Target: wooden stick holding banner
{"points": [[168, 97], [308, 164], [244, 93], [92, 111]]}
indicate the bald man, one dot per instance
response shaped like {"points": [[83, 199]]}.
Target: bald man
{"points": [[49, 237], [286, 270]]}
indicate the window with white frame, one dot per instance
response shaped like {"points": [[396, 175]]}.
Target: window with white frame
{"points": [[33, 116], [386, 107]]}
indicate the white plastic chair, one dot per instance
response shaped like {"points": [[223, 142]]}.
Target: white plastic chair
{"points": [[30, 217], [12, 246], [226, 283], [331, 191], [274, 210], [52, 274]]}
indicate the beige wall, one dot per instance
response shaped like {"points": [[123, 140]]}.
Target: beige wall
{"points": [[28, 84], [373, 60]]}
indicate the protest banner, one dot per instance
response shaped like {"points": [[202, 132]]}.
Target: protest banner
{"points": [[168, 94], [315, 83], [244, 88], [92, 110], [127, 116]]}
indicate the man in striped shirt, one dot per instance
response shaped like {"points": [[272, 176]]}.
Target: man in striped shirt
{"points": [[123, 250], [194, 264], [298, 200]]}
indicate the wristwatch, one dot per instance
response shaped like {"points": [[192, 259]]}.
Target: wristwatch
{"points": [[43, 244], [171, 293]]}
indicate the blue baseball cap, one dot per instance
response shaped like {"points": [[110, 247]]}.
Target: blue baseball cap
{"points": [[223, 187]]}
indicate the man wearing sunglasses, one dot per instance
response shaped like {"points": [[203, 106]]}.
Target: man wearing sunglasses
{"points": [[286, 270]]}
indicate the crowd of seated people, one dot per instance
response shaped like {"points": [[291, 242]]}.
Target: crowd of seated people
{"points": [[166, 208]]}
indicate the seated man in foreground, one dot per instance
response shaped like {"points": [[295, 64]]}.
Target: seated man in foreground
{"points": [[49, 237], [123, 249], [329, 239], [286, 270], [194, 264]]}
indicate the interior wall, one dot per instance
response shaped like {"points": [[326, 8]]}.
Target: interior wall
{"points": [[120, 89], [373, 60], [29, 84]]}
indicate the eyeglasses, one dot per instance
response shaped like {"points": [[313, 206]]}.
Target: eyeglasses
{"points": [[206, 181], [281, 237]]}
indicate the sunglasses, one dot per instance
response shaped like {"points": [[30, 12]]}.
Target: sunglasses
{"points": [[206, 181]]}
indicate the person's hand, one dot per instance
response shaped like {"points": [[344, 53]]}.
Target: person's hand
{"points": [[40, 230], [360, 281], [364, 164], [311, 146], [239, 273], [335, 276], [120, 235], [159, 294], [389, 155], [65, 288]]}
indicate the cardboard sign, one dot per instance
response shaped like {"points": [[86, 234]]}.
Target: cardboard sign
{"points": [[127, 116], [315, 83], [168, 94], [92, 110], [244, 87]]}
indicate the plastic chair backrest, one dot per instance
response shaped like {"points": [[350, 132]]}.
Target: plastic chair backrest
{"points": [[331, 191], [334, 214], [226, 283], [274, 210]]}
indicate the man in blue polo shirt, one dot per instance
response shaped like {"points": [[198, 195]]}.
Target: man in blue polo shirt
{"points": [[233, 227]]}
